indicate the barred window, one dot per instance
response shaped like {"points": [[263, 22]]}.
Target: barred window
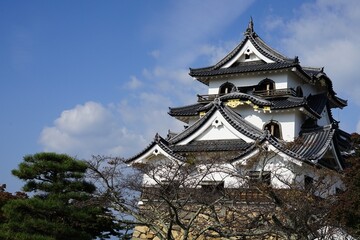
{"points": [[259, 177], [274, 129]]}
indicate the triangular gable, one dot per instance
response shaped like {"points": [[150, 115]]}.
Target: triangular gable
{"points": [[332, 157], [248, 53], [153, 153], [265, 146], [156, 149], [215, 128]]}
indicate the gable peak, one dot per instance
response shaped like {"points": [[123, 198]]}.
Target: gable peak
{"points": [[250, 28]]}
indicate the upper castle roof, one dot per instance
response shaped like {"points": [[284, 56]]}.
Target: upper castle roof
{"points": [[266, 59]]}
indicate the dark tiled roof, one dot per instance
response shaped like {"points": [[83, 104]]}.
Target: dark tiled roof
{"points": [[310, 146], [190, 110], [207, 72], [334, 100], [232, 117], [268, 51], [313, 145], [188, 131], [312, 71], [243, 96], [250, 149], [343, 144], [213, 145], [206, 107], [280, 60], [258, 43], [317, 102], [240, 124], [287, 102], [295, 102], [312, 75], [314, 104], [163, 144]]}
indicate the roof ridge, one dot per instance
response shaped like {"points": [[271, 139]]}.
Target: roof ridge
{"points": [[192, 128], [163, 144], [186, 106], [235, 120], [256, 99], [268, 51]]}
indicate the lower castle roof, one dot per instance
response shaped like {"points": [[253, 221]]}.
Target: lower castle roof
{"points": [[310, 147], [213, 145], [314, 104]]}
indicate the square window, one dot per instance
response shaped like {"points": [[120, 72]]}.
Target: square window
{"points": [[258, 177], [212, 187]]}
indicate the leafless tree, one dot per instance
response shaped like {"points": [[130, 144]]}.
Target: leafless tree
{"points": [[208, 197]]}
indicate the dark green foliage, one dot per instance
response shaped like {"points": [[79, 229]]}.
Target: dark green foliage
{"points": [[6, 197], [53, 173], [62, 205], [347, 211]]}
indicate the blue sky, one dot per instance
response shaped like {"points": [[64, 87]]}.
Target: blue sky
{"points": [[97, 77]]}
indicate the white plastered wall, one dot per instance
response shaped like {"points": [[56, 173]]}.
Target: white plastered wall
{"points": [[286, 118], [216, 128], [324, 120], [280, 78], [326, 182], [286, 172]]}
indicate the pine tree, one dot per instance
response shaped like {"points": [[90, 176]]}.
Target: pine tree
{"points": [[62, 205]]}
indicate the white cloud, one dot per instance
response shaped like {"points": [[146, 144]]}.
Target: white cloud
{"points": [[183, 41], [134, 83], [83, 119], [155, 54], [325, 33], [274, 23], [146, 114], [189, 25], [89, 129], [214, 53], [358, 127]]}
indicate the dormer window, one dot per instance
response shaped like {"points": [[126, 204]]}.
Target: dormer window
{"points": [[247, 54], [299, 92], [274, 128], [308, 183], [226, 88], [266, 85]]}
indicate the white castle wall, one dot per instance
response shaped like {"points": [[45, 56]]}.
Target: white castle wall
{"points": [[243, 80], [287, 119]]}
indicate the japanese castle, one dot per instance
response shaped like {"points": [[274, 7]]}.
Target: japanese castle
{"points": [[258, 100]]}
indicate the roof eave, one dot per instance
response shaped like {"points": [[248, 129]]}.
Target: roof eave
{"points": [[161, 143]]}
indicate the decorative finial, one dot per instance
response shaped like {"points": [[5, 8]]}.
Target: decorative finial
{"points": [[250, 28], [234, 89], [251, 24], [296, 59], [217, 102]]}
